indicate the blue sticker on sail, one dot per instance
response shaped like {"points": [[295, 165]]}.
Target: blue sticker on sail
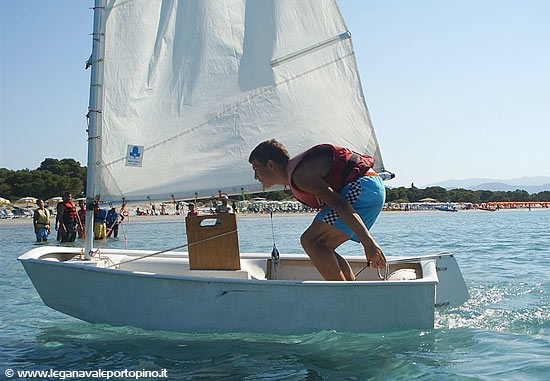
{"points": [[134, 156]]}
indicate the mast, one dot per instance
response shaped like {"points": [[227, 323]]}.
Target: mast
{"points": [[94, 124]]}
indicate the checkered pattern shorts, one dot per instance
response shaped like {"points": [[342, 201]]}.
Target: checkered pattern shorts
{"points": [[366, 195], [351, 196]]}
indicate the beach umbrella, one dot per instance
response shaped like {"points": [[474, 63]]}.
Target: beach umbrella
{"points": [[428, 199], [4, 201], [54, 200], [26, 200]]}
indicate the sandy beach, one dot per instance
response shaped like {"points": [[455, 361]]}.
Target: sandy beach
{"points": [[165, 218], [172, 217]]}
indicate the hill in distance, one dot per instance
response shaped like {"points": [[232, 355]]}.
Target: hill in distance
{"points": [[530, 184]]}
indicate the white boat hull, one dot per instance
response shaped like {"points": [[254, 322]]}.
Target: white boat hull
{"points": [[210, 301]]}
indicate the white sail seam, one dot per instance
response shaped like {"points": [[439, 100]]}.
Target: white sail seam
{"points": [[311, 49], [235, 106]]}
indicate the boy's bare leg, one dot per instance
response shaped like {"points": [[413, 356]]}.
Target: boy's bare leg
{"points": [[319, 242]]}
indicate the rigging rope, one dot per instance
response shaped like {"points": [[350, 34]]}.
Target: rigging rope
{"points": [[118, 220], [174, 248], [274, 252], [386, 272]]}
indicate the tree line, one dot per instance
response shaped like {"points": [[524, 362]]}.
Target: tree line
{"points": [[414, 194], [54, 177], [51, 179]]}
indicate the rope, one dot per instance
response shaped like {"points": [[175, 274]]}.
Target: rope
{"points": [[81, 256], [124, 231], [175, 248], [82, 227], [364, 267], [386, 272], [96, 251], [387, 269], [107, 260], [79, 220], [274, 252]]}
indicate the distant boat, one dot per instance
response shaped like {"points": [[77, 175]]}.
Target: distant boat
{"points": [[6, 214], [181, 92], [446, 208]]}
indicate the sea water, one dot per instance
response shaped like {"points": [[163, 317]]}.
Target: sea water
{"points": [[502, 332]]}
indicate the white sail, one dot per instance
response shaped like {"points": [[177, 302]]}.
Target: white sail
{"points": [[191, 87]]}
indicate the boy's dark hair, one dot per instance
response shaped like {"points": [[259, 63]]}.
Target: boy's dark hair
{"points": [[269, 150]]}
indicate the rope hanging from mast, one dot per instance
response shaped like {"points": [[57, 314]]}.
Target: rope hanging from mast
{"points": [[274, 252]]}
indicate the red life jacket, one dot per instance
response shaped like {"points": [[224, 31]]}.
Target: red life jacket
{"points": [[346, 167], [82, 215], [69, 214]]}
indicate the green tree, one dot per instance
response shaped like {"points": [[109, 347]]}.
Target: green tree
{"points": [[541, 196], [499, 196], [485, 195], [65, 167], [394, 194], [277, 195], [5, 188], [463, 195], [439, 193], [51, 179], [519, 195], [414, 194]]}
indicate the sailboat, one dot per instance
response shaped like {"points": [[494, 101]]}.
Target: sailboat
{"points": [[180, 93]]}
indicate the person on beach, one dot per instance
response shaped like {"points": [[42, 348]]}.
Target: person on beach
{"points": [[100, 222], [81, 219], [41, 222], [192, 210], [112, 222], [224, 207], [66, 219], [339, 182]]}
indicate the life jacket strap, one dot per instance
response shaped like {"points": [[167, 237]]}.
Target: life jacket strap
{"points": [[349, 165]]}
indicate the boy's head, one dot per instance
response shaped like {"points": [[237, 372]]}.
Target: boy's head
{"points": [[269, 150]]}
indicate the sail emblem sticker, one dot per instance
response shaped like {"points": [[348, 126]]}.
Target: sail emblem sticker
{"points": [[134, 156]]}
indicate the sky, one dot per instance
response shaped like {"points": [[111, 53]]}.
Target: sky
{"points": [[455, 89]]}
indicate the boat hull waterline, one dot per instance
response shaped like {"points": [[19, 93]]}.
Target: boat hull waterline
{"points": [[161, 293]]}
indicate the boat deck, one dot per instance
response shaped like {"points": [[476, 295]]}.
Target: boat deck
{"points": [[293, 267]]}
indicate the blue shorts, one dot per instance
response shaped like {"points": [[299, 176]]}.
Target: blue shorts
{"points": [[42, 234], [367, 196]]}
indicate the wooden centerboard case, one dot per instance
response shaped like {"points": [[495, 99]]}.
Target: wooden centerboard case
{"points": [[221, 253]]}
